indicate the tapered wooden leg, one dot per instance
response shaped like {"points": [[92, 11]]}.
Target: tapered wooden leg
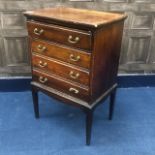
{"points": [[112, 104], [89, 120], [35, 102]]}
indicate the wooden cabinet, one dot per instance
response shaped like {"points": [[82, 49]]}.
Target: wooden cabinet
{"points": [[75, 56]]}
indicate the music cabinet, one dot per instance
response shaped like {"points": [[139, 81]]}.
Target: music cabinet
{"points": [[75, 56]]}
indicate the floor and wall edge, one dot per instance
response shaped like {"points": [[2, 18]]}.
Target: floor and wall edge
{"points": [[124, 81]]}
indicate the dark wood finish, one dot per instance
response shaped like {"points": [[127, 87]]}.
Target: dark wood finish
{"points": [[93, 39], [61, 69], [72, 16], [61, 84], [107, 44], [61, 96], [89, 121], [60, 35], [62, 53], [35, 101], [112, 102]]}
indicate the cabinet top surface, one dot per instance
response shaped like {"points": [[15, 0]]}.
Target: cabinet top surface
{"points": [[76, 16]]}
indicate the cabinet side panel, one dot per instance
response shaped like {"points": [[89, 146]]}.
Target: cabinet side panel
{"points": [[107, 45]]}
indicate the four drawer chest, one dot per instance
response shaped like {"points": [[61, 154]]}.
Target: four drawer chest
{"points": [[75, 56]]}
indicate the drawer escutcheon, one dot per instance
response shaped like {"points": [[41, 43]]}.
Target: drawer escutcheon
{"points": [[73, 41], [42, 64], [74, 75], [43, 79], [73, 58], [37, 31], [41, 48], [74, 90]]}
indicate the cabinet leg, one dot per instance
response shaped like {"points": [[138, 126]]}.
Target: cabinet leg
{"points": [[35, 102], [112, 104], [89, 120]]}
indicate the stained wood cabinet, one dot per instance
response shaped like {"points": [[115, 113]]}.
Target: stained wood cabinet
{"points": [[75, 55]]}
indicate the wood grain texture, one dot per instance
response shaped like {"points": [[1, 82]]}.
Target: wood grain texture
{"points": [[79, 86], [61, 69], [103, 65], [107, 45], [62, 53], [68, 99], [78, 16], [62, 85], [60, 34]]}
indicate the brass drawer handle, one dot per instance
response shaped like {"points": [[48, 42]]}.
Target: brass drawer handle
{"points": [[73, 58], [41, 48], [42, 64], [38, 32], [43, 79], [73, 41], [74, 90], [74, 75]]}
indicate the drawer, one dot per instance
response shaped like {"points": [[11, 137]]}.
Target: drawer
{"points": [[61, 69], [61, 85], [66, 54], [66, 36]]}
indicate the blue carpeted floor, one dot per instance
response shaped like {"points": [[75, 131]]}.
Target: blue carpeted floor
{"points": [[61, 129]]}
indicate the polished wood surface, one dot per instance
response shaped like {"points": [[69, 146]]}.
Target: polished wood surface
{"points": [[105, 63], [66, 36], [77, 16], [61, 69], [61, 84], [63, 53], [75, 55]]}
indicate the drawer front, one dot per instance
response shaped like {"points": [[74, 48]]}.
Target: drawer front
{"points": [[61, 69], [61, 85], [69, 37], [69, 55]]}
